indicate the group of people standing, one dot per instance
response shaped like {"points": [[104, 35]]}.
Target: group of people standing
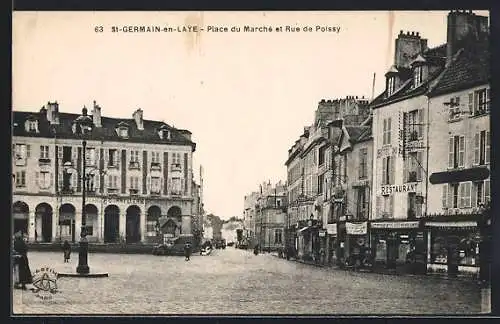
{"points": [[22, 271]]}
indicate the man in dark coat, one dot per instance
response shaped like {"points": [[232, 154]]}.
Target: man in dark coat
{"points": [[187, 250], [67, 251], [24, 269]]}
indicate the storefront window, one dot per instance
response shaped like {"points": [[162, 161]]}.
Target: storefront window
{"points": [[467, 249], [439, 253], [380, 250]]}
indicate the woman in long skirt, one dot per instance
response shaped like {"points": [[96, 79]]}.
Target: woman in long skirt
{"points": [[24, 269]]}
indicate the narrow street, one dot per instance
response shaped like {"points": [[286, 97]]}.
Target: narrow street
{"points": [[234, 281]]}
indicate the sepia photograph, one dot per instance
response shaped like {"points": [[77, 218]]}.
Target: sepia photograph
{"points": [[251, 163]]}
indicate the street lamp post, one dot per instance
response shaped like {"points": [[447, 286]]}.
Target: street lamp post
{"points": [[84, 126]]}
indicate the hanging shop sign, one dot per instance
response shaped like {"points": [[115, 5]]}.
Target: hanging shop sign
{"points": [[322, 233], [356, 228], [452, 224], [331, 229], [390, 189], [382, 225]]}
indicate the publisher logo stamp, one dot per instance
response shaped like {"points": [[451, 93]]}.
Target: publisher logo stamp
{"points": [[45, 283]]}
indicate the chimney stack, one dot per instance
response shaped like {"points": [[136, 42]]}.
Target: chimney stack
{"points": [[53, 112], [463, 28], [96, 115], [137, 115], [407, 46]]}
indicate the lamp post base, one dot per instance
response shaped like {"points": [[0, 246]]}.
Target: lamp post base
{"points": [[83, 267]]}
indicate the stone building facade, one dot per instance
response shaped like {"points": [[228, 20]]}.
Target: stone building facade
{"points": [[140, 173]]}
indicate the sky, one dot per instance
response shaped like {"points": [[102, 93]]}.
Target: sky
{"points": [[245, 96]]}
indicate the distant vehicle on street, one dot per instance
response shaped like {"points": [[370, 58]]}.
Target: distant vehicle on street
{"points": [[206, 248], [220, 244], [174, 246], [230, 244]]}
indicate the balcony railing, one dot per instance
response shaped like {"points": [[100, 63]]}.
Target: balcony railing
{"points": [[67, 191], [20, 161], [481, 111], [175, 167], [155, 166], [133, 191], [43, 161], [133, 165]]}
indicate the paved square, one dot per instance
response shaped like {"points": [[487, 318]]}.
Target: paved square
{"points": [[233, 281]]}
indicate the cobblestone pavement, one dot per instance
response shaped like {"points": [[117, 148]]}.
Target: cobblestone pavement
{"points": [[234, 281]]}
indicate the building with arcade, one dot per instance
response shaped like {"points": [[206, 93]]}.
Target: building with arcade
{"points": [[139, 179]]}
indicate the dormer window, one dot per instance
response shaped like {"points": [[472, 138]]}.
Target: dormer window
{"points": [[391, 85], [31, 125], [164, 133], [122, 130], [417, 76]]}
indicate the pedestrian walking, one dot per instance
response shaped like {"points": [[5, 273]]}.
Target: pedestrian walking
{"points": [[187, 250], [256, 249], [66, 251], [24, 270]]}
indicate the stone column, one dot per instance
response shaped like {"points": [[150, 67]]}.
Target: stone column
{"points": [[31, 226], [186, 224], [142, 224], [123, 223], [55, 225], [78, 224]]}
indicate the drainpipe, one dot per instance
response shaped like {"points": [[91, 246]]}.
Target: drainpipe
{"points": [[427, 181]]}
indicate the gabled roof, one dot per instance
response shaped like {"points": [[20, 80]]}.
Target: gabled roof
{"points": [[105, 133], [470, 67]]}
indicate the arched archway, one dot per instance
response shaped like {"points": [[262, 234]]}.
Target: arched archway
{"points": [[133, 224], [175, 213], [67, 222], [152, 217], [43, 222], [91, 219], [170, 228], [111, 224], [21, 214]]}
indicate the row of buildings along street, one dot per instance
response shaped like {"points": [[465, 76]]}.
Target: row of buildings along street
{"points": [[403, 176]]}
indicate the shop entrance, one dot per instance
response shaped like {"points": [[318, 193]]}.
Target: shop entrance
{"points": [[111, 224]]}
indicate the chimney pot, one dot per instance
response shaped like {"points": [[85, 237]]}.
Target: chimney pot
{"points": [[408, 33], [400, 32], [356, 97], [413, 33]]}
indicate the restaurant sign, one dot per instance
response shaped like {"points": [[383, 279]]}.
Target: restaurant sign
{"points": [[356, 228], [390, 189], [382, 225]]}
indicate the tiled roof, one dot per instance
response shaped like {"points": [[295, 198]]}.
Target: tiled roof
{"points": [[106, 133], [470, 67], [356, 133], [366, 135]]}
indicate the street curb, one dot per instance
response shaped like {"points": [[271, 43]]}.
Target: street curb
{"points": [[88, 275], [433, 276]]}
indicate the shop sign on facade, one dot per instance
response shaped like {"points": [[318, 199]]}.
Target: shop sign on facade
{"points": [[331, 229], [356, 228], [322, 233], [395, 225], [390, 189], [452, 224]]}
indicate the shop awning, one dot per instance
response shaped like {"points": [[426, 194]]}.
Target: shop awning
{"points": [[472, 174], [452, 225], [303, 229]]}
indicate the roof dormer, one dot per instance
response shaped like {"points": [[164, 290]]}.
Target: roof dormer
{"points": [[122, 129], [419, 70], [164, 132], [392, 79], [31, 124]]}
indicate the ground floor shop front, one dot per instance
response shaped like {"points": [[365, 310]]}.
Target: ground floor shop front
{"points": [[109, 220]]}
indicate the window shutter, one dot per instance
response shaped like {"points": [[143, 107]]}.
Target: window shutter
{"points": [[60, 181], [444, 197], [461, 151], [419, 165], [476, 148], [37, 178], [148, 184], [471, 102], [74, 155], [389, 120], [28, 150], [60, 153], [74, 180], [51, 180], [487, 148], [378, 206], [384, 170], [487, 99], [384, 132], [450, 196], [450, 152], [486, 190], [461, 195], [468, 194], [391, 206], [421, 123], [474, 196], [392, 170], [117, 159], [106, 157], [97, 181]]}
